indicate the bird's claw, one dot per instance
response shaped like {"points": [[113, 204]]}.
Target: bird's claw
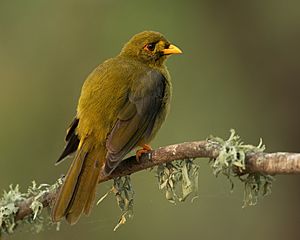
{"points": [[146, 149]]}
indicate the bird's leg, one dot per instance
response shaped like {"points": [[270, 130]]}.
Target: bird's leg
{"points": [[145, 149]]}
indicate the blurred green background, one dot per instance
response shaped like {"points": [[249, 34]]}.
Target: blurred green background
{"points": [[240, 69]]}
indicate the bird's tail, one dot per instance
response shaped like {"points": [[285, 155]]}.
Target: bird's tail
{"points": [[77, 193]]}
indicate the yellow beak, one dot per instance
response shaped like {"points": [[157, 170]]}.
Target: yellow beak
{"points": [[172, 50]]}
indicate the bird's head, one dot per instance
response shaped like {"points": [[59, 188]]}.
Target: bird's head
{"points": [[149, 47]]}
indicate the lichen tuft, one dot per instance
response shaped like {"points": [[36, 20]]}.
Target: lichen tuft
{"points": [[231, 162], [179, 179]]}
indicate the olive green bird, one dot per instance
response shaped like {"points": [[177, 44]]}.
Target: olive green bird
{"points": [[123, 103]]}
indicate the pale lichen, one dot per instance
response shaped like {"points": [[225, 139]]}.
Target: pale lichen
{"points": [[122, 188], [178, 179], [231, 162], [10, 201], [8, 208], [255, 186], [124, 193]]}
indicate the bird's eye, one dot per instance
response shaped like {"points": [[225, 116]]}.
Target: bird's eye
{"points": [[150, 47]]}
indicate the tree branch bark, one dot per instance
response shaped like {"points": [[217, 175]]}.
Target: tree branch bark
{"points": [[267, 163]]}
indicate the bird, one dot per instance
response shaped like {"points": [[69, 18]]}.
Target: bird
{"points": [[122, 105]]}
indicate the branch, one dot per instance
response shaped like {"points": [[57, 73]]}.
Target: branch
{"points": [[255, 162], [266, 163]]}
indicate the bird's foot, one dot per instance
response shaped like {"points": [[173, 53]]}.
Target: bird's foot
{"points": [[146, 149]]}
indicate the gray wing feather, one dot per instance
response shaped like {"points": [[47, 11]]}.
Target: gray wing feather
{"points": [[136, 119]]}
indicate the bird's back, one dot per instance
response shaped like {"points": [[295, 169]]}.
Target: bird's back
{"points": [[103, 95]]}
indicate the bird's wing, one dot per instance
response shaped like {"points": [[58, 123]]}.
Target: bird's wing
{"points": [[136, 119]]}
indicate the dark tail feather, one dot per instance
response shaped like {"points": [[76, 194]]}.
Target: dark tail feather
{"points": [[72, 141], [70, 148], [72, 129]]}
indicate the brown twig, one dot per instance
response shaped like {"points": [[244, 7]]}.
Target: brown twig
{"points": [[268, 163]]}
